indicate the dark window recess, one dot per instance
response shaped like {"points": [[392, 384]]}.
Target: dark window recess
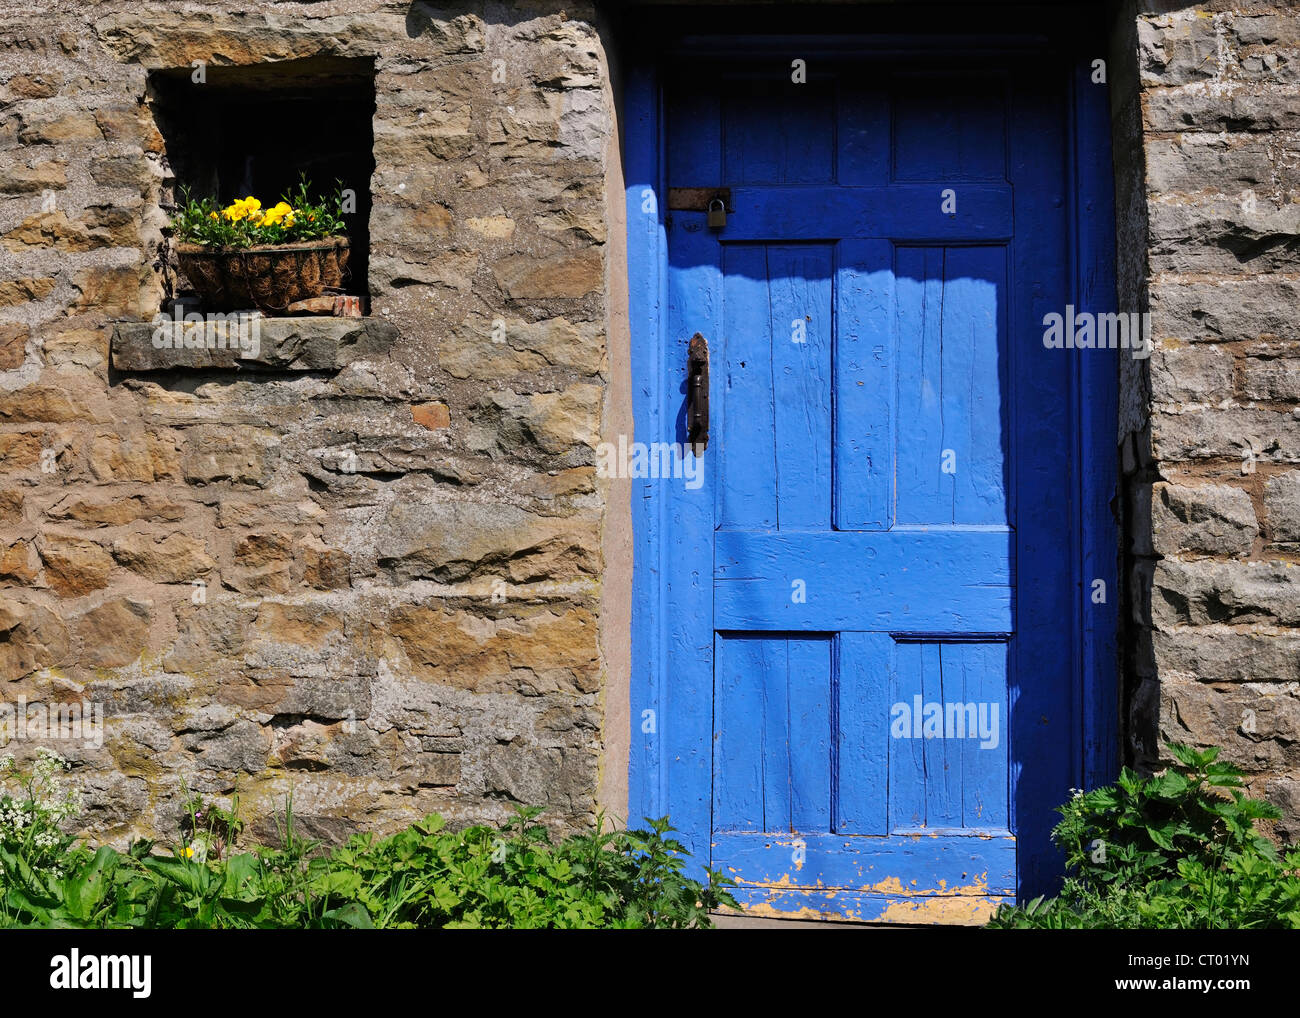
{"points": [[253, 130]]}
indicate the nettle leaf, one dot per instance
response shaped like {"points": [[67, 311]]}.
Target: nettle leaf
{"points": [[1192, 758], [1258, 809], [1169, 785], [1162, 836], [352, 914]]}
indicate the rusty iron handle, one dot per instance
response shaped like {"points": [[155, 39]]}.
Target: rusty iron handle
{"points": [[697, 393]]}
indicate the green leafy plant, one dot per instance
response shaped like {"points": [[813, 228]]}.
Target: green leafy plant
{"points": [[34, 804], [422, 876], [1177, 850], [208, 829], [515, 877], [245, 222]]}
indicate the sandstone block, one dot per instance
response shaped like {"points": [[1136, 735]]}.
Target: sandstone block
{"points": [[55, 231], [1211, 519], [563, 274], [22, 291], [16, 178], [1199, 373], [1177, 51], [541, 653], [1282, 506], [114, 634], [451, 541], [73, 565], [1222, 654], [33, 638], [13, 345], [1272, 373], [1239, 593], [238, 454], [176, 558]]}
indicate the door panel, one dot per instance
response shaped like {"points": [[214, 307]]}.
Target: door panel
{"points": [[956, 781], [773, 135], [779, 463], [772, 737], [850, 710], [949, 127], [949, 376]]}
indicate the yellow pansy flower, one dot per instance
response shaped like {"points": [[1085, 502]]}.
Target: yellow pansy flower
{"points": [[242, 208], [276, 215]]}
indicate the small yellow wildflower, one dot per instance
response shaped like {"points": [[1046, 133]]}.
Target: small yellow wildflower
{"points": [[187, 852]]}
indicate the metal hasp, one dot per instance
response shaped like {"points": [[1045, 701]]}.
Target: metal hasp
{"points": [[697, 394]]}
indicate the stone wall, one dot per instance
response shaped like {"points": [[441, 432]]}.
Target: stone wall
{"points": [[369, 565], [1213, 455], [371, 576]]}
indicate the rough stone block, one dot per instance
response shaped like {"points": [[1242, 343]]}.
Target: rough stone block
{"points": [[1226, 433], [1211, 519], [283, 344], [33, 638], [1224, 310], [1272, 372], [1282, 506], [1191, 163], [1225, 108], [1198, 373], [73, 565], [1220, 653], [23, 291], [1178, 50], [174, 558], [1256, 724], [238, 454], [452, 541], [1236, 593], [541, 653], [114, 634], [484, 348], [1224, 236]]}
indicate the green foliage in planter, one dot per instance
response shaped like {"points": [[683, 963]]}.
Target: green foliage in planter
{"points": [[246, 223], [1176, 851], [423, 876]]}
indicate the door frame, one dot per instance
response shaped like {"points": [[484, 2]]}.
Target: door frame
{"points": [[1094, 531]]}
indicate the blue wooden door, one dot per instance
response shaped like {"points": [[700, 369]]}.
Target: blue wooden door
{"points": [[873, 605]]}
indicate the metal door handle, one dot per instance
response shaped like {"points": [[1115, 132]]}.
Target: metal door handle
{"points": [[697, 393]]}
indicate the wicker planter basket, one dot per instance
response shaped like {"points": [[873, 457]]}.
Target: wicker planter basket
{"points": [[268, 278]]}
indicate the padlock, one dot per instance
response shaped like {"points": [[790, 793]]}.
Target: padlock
{"points": [[717, 214]]}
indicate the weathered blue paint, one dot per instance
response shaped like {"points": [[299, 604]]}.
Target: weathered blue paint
{"points": [[1094, 290], [828, 568], [647, 267]]}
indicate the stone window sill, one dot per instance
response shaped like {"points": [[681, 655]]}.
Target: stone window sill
{"points": [[267, 344]]}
